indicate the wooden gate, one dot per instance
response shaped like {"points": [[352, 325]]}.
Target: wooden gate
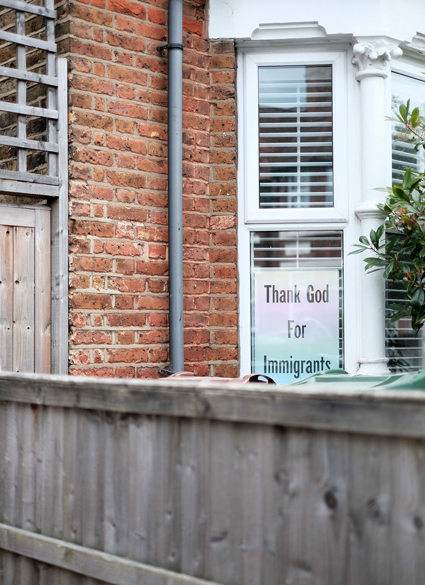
{"points": [[34, 170], [25, 289]]}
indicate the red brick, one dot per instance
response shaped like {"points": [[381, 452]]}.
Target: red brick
{"points": [[125, 337], [156, 16], [90, 301], [131, 319], [152, 303], [130, 8], [91, 15], [133, 355], [131, 285], [127, 372], [90, 264], [122, 249], [91, 338], [93, 228], [227, 371]]}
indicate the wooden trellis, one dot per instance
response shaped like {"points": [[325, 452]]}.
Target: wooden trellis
{"points": [[51, 183]]}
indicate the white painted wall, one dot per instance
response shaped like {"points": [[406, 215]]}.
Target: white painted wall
{"points": [[245, 19]]}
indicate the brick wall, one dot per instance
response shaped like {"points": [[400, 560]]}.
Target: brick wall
{"points": [[118, 190]]}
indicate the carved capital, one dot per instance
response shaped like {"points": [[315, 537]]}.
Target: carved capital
{"points": [[369, 209], [372, 58]]}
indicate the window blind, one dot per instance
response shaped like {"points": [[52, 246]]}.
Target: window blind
{"points": [[295, 137], [404, 349]]}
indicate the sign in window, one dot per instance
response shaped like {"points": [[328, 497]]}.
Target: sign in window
{"points": [[296, 280]]}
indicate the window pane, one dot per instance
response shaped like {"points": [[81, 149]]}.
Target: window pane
{"points": [[405, 349], [296, 303], [404, 154], [295, 136]]}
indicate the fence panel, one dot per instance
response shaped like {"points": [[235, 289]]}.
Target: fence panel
{"points": [[158, 483]]}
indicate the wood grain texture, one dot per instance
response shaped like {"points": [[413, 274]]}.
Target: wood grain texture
{"points": [[319, 406], [60, 233], [28, 76], [14, 215], [28, 177], [126, 496], [22, 40], [6, 298], [108, 568], [25, 7], [21, 90], [42, 306], [23, 299], [31, 189]]}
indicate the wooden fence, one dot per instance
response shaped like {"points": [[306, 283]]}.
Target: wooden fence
{"points": [[160, 483]]}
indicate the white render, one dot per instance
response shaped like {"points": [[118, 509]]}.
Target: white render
{"points": [[281, 19]]}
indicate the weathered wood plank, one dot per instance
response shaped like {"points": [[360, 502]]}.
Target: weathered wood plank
{"points": [[20, 39], [14, 215], [23, 300], [141, 472], [28, 76], [29, 177], [9, 433], [195, 494], [52, 159], [380, 412], [21, 91], [29, 144], [89, 562], [26, 7], [26, 493], [28, 110], [42, 318], [30, 189], [6, 298], [224, 547], [60, 236]]}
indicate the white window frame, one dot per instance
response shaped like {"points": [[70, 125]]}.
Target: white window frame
{"points": [[346, 164], [251, 63]]}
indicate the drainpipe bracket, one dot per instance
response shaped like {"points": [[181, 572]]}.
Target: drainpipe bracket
{"points": [[169, 46]]}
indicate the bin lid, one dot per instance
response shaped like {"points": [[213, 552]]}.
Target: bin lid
{"points": [[408, 381]]}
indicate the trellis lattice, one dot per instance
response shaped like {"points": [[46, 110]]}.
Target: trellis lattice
{"points": [[19, 181]]}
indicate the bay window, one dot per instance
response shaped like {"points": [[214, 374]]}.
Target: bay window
{"points": [[302, 143]]}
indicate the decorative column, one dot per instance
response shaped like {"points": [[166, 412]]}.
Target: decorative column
{"points": [[372, 59]]}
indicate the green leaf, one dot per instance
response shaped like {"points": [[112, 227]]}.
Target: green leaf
{"points": [[400, 194], [392, 243], [416, 196], [374, 238], [388, 269], [414, 117], [372, 262], [407, 178], [359, 251], [418, 298], [403, 112], [380, 231], [364, 240], [399, 315]]}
